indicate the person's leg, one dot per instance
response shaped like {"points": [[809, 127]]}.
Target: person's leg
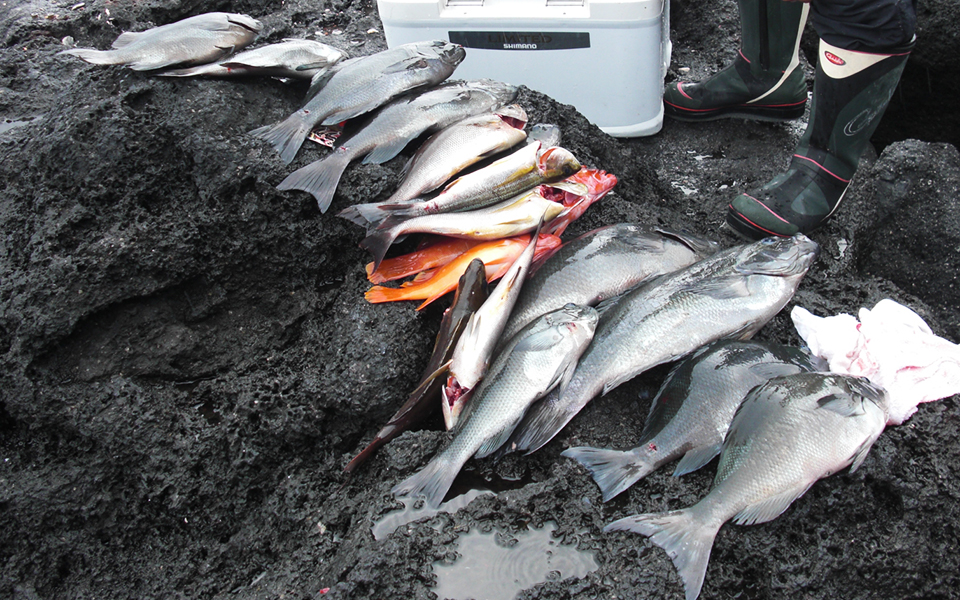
{"points": [[854, 82], [765, 80]]}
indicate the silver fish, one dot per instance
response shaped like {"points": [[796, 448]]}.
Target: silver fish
{"points": [[521, 170], [359, 85], [787, 434], [536, 365], [693, 409], [195, 40], [474, 349], [510, 217], [456, 147], [731, 294], [393, 127], [291, 58], [602, 264]]}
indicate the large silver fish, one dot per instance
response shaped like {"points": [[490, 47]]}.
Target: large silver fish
{"points": [[359, 85], [787, 434], [393, 127], [731, 294], [195, 40], [536, 365], [534, 164], [456, 147], [291, 58], [691, 413], [602, 264]]}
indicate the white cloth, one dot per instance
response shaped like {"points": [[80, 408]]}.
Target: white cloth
{"points": [[891, 346]]}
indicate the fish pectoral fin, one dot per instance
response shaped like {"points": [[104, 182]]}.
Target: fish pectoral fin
{"points": [[227, 49], [721, 288], [774, 369], [539, 341], [696, 458], [567, 376], [770, 508], [842, 404], [408, 64]]}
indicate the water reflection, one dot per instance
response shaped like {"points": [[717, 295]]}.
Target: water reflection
{"points": [[392, 520]]}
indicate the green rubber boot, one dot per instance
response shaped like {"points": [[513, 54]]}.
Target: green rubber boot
{"points": [[850, 93], [765, 81]]}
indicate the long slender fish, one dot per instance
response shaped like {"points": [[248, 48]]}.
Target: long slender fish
{"points": [[604, 263], [787, 434], [457, 146], [510, 217], [514, 174], [291, 58], [731, 294], [396, 125], [194, 40], [425, 399], [690, 415], [536, 365], [359, 85]]}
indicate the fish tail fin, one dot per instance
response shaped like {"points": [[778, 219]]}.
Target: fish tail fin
{"points": [[319, 178], [613, 470], [355, 215], [286, 136], [687, 540], [378, 242], [370, 215], [432, 482], [93, 56]]}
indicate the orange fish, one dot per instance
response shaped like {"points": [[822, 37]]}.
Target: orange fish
{"points": [[436, 253], [497, 256]]}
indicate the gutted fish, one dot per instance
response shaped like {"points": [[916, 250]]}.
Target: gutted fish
{"points": [[731, 294], [357, 86], [691, 413], [537, 364], [396, 125], [291, 58], [195, 40], [787, 434]]}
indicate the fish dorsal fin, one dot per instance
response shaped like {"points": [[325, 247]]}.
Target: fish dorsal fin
{"points": [[126, 38], [770, 508], [696, 458], [493, 444]]}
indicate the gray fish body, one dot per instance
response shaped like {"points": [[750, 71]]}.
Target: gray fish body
{"points": [[690, 414], [283, 59], [602, 264], [787, 434], [537, 364], [359, 85], [731, 294], [394, 126], [195, 40], [457, 146]]}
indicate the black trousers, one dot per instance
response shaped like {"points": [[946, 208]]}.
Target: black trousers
{"points": [[865, 25]]}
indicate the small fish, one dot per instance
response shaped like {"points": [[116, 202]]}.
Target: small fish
{"points": [[359, 85], [602, 264], [291, 58], [456, 147], [537, 364], [522, 170], [691, 413], [474, 350], [508, 218], [497, 256], [424, 400], [789, 433], [394, 126], [731, 294], [195, 40], [431, 254]]}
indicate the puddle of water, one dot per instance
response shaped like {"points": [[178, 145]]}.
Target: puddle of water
{"points": [[8, 124], [398, 518], [488, 570]]}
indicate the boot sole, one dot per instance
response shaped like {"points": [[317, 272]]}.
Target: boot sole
{"points": [[742, 111]]}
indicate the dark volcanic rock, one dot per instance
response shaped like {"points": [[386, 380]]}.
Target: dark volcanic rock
{"points": [[188, 361]]}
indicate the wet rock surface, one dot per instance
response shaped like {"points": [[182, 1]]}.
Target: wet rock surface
{"points": [[188, 361]]}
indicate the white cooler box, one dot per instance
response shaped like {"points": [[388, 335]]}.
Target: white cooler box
{"points": [[607, 58]]}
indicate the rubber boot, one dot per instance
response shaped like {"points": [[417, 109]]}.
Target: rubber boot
{"points": [[850, 93], [765, 81]]}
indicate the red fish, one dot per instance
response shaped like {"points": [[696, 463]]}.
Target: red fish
{"points": [[598, 183]]}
